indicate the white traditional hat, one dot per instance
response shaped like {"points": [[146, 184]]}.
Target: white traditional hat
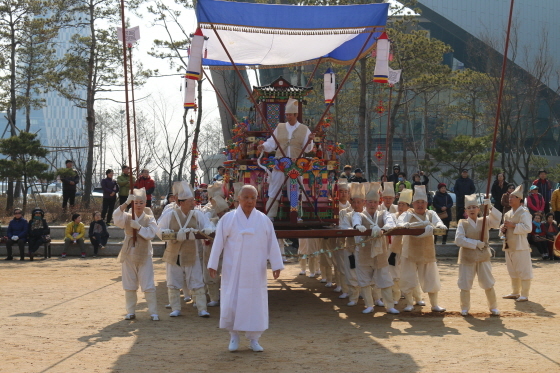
{"points": [[471, 200], [518, 192], [406, 196], [236, 189], [139, 194], [220, 204], [357, 190], [292, 106], [373, 191], [343, 184], [216, 189], [182, 190], [420, 193], [388, 189]]}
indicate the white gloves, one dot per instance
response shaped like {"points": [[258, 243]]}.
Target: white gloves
{"points": [[376, 231], [487, 202], [130, 199], [480, 245], [182, 234], [361, 228], [135, 225], [15, 238], [208, 231], [428, 231], [404, 225]]}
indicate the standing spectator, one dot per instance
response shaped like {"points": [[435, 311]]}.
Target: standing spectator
{"points": [[402, 181], [464, 186], [357, 177], [443, 204], [98, 234], [535, 201], [110, 190], [551, 230], [69, 183], [383, 179], [394, 177], [505, 198], [145, 181], [538, 235], [38, 233], [555, 203], [545, 189], [75, 232], [499, 187], [124, 184], [220, 175], [17, 233], [347, 172], [420, 179]]}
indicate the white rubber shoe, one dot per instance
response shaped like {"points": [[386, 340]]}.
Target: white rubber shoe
{"points": [[233, 344], [130, 316], [351, 304], [214, 303], [343, 296], [175, 313], [203, 314], [368, 310], [154, 317], [255, 346], [408, 309], [393, 311], [438, 309], [495, 312]]}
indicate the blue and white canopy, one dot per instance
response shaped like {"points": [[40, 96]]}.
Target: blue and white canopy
{"points": [[275, 35]]}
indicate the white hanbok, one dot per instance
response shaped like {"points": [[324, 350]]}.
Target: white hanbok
{"points": [[246, 244]]}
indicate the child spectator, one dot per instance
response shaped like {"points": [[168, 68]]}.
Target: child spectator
{"points": [[38, 233], [551, 230], [539, 236], [98, 234], [17, 233], [75, 232]]}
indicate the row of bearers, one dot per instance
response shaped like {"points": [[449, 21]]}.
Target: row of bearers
{"points": [[385, 267]]}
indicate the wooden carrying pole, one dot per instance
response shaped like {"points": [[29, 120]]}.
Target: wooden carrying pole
{"points": [[127, 111], [134, 110], [497, 119]]}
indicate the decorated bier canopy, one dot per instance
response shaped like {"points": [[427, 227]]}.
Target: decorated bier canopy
{"points": [[278, 35]]}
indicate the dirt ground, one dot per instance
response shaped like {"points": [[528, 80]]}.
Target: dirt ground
{"points": [[64, 315]]}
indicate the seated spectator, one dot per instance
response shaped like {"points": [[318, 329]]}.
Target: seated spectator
{"points": [[38, 233], [75, 232], [17, 233], [535, 202], [443, 204], [98, 234], [551, 230], [220, 175], [538, 235]]}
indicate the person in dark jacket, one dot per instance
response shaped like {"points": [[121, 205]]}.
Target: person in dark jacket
{"points": [[98, 234], [464, 186], [420, 179], [499, 187], [394, 177], [145, 181], [545, 189], [69, 185], [38, 231], [357, 177], [346, 172], [110, 191], [17, 233], [443, 203]]}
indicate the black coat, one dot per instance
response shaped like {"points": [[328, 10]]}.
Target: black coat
{"points": [[356, 179], [441, 200], [463, 187], [497, 194]]}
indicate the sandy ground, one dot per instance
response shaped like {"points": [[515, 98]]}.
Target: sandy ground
{"points": [[65, 315]]}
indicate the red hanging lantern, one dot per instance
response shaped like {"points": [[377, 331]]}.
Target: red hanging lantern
{"points": [[380, 108]]}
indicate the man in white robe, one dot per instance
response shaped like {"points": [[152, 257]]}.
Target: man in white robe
{"points": [[388, 195], [247, 240], [341, 255], [136, 254], [183, 263], [517, 224], [292, 136]]}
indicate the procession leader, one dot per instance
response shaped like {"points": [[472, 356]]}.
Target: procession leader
{"points": [[247, 240]]}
